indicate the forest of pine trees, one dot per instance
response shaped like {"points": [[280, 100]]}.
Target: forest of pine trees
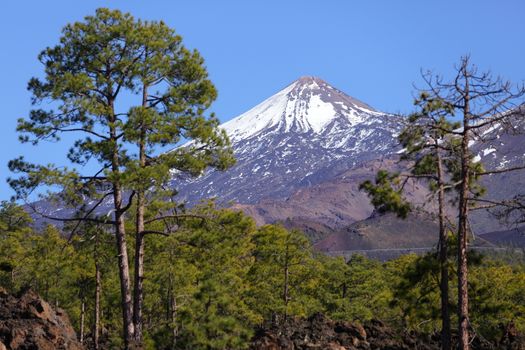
{"points": [[212, 284]]}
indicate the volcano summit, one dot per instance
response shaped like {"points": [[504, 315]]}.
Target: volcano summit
{"points": [[305, 134]]}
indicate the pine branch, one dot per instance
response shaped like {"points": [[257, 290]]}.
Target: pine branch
{"points": [[176, 216], [499, 171]]}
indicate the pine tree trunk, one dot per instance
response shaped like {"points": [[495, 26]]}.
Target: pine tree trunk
{"points": [[174, 329], [443, 253], [285, 286], [82, 319], [120, 235], [138, 299], [139, 270], [285, 291], [123, 264], [98, 289], [463, 315]]}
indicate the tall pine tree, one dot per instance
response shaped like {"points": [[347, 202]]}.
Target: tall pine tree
{"points": [[91, 78]]}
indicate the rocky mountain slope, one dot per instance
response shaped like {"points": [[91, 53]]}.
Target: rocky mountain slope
{"points": [[500, 147], [331, 205]]}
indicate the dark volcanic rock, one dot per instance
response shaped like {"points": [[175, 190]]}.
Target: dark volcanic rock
{"points": [[319, 332], [28, 322]]}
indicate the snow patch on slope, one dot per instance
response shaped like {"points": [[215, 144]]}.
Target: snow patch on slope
{"points": [[266, 114], [319, 114]]}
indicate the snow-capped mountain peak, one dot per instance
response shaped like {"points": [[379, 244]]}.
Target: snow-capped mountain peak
{"points": [[304, 134], [309, 104]]}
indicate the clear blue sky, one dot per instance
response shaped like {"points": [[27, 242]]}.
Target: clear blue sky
{"points": [[372, 50]]}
